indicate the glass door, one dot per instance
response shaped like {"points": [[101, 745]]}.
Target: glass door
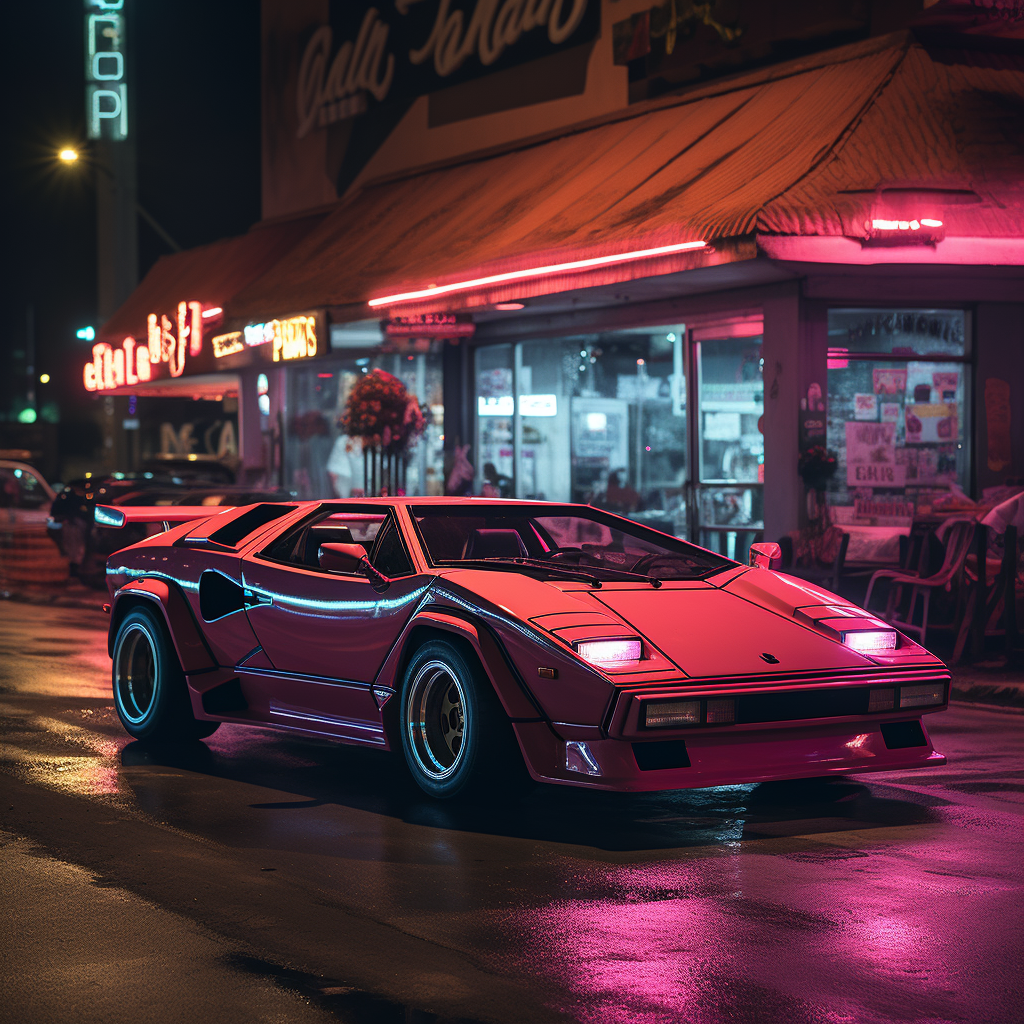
{"points": [[728, 510]]}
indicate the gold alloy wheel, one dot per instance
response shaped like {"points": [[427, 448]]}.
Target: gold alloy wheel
{"points": [[436, 720], [135, 673]]}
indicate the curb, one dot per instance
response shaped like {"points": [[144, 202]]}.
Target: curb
{"points": [[988, 693], [84, 601]]}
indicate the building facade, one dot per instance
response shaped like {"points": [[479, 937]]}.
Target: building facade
{"points": [[641, 256]]}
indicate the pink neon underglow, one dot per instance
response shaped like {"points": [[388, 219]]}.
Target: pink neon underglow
{"points": [[520, 275], [871, 640]]}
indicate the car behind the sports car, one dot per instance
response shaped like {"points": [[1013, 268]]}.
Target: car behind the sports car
{"points": [[495, 640]]}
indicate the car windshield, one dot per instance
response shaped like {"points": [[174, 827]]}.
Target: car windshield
{"points": [[560, 537]]}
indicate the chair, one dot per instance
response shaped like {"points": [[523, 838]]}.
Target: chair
{"points": [[948, 577]]}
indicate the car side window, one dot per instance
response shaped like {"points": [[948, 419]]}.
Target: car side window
{"points": [[300, 546], [389, 556]]}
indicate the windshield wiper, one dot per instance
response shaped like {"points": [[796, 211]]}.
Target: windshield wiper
{"points": [[524, 563], [624, 573]]}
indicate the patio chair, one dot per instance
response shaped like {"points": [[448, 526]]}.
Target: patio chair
{"points": [[948, 578]]}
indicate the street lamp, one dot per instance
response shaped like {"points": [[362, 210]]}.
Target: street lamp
{"points": [[68, 155]]}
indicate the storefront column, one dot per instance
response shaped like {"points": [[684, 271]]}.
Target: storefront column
{"points": [[999, 393], [251, 452], [783, 490]]}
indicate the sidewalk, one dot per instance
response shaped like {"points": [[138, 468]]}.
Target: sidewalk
{"points": [[70, 594]]}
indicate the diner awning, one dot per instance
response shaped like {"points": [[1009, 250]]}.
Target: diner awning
{"points": [[211, 274], [810, 147]]}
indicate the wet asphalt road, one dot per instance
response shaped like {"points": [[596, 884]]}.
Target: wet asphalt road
{"points": [[257, 877]]}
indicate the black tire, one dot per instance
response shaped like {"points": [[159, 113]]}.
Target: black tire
{"points": [[457, 740], [150, 694]]}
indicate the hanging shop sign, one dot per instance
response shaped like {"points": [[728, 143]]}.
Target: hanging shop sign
{"points": [[430, 325], [106, 87], [171, 343], [285, 340]]}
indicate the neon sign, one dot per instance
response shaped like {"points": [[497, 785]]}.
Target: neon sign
{"points": [[165, 346], [294, 338], [227, 344], [167, 342], [114, 367], [106, 90]]}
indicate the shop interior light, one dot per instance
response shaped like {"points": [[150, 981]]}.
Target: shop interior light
{"points": [[609, 652], [868, 640], [68, 155], [545, 271], [508, 306]]}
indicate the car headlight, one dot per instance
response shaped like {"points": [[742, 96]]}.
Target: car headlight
{"points": [[609, 652], [867, 640]]}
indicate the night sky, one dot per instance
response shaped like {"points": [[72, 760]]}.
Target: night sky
{"points": [[194, 108]]}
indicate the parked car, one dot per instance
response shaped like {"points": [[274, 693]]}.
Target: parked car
{"points": [[493, 641], [25, 497], [71, 524]]}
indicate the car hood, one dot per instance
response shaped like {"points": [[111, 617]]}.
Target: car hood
{"points": [[712, 632]]}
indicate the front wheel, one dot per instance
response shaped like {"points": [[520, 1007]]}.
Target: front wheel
{"points": [[150, 693], [456, 738]]}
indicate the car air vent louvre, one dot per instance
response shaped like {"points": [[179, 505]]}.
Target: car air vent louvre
{"points": [[218, 596], [241, 526], [898, 735]]}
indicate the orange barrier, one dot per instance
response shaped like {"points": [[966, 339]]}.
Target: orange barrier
{"points": [[27, 555]]}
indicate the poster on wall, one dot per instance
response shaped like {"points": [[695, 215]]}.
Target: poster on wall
{"points": [[997, 423], [889, 381], [892, 412], [931, 423], [865, 407], [946, 383], [871, 455]]}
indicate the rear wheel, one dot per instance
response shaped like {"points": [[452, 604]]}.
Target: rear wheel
{"points": [[150, 693], [456, 737]]}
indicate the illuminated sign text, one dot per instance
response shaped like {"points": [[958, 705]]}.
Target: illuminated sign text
{"points": [[112, 367], [106, 90], [227, 344], [294, 338]]}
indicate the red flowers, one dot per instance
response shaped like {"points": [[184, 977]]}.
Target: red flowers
{"points": [[381, 412]]}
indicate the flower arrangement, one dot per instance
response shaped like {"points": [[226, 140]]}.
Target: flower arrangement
{"points": [[381, 412], [816, 466]]}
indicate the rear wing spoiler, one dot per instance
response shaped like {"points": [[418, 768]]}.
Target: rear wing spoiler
{"points": [[118, 516]]}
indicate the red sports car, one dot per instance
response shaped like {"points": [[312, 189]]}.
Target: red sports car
{"points": [[492, 641]]}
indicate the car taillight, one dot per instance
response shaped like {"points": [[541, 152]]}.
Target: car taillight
{"points": [[881, 700], [720, 711], [922, 696], [609, 652], [867, 640]]}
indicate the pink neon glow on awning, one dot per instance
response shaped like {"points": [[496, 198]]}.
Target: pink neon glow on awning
{"points": [[520, 275]]}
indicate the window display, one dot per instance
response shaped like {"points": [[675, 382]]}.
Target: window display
{"points": [[898, 382], [320, 461]]}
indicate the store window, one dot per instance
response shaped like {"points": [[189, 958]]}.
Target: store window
{"points": [[321, 462], [597, 418], [898, 415]]}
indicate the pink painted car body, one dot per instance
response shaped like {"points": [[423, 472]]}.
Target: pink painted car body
{"points": [[318, 652]]}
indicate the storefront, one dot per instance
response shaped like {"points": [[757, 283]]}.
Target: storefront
{"points": [[656, 301]]}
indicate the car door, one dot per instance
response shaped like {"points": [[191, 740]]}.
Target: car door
{"points": [[328, 633]]}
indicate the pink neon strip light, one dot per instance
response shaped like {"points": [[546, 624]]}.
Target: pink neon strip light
{"points": [[519, 275], [207, 313]]}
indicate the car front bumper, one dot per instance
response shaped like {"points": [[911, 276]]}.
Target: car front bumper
{"points": [[720, 757]]}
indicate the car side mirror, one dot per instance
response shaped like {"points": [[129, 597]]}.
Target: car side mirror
{"points": [[766, 555], [351, 558], [341, 557]]}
